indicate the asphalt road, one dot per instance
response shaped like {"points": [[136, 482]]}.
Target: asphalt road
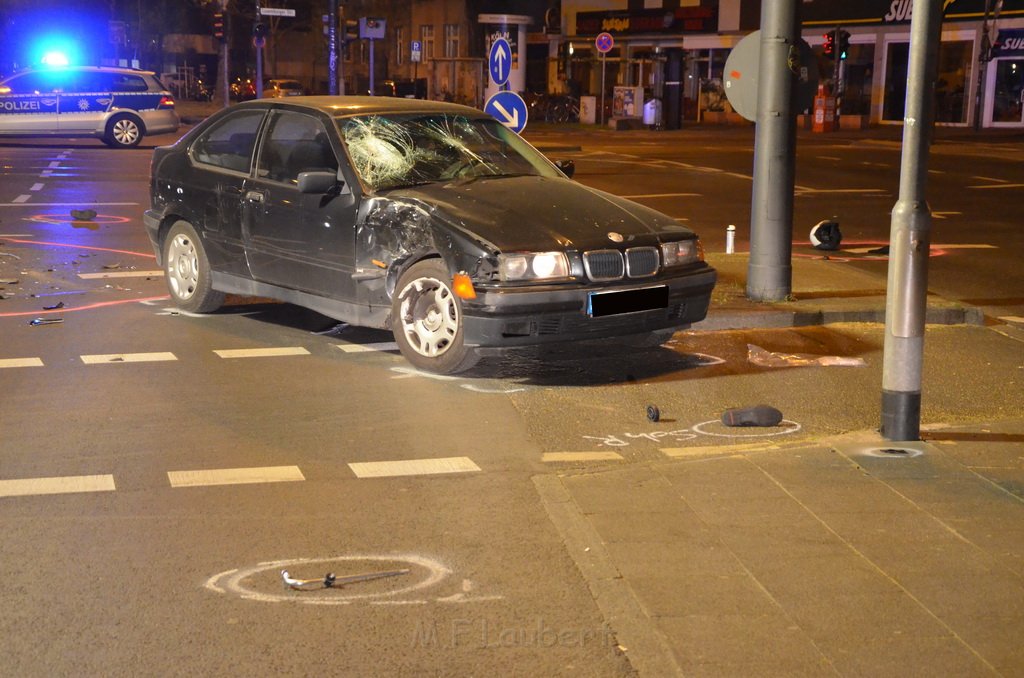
{"points": [[159, 470]]}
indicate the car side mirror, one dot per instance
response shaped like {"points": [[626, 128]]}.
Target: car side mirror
{"points": [[568, 167], [317, 182]]}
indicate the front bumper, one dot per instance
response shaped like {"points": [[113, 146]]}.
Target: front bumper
{"points": [[528, 316]]}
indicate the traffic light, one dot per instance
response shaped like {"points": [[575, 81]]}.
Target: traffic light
{"points": [[842, 43], [830, 44], [259, 31], [218, 26]]}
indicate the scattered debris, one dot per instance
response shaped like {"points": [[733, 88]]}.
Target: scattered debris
{"points": [[825, 235], [653, 413], [9, 281], [333, 331], [59, 304], [765, 358], [758, 415], [111, 267], [83, 215], [45, 321], [331, 581], [8, 254]]}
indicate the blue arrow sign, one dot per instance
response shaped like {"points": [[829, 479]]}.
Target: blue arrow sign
{"points": [[499, 62], [509, 109]]}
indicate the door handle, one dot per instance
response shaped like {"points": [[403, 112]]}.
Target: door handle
{"points": [[255, 196]]}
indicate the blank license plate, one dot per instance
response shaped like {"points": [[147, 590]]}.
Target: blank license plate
{"points": [[626, 301]]}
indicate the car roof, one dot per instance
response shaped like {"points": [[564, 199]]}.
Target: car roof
{"points": [[94, 69], [366, 105]]}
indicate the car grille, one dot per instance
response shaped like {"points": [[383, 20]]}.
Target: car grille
{"points": [[638, 262]]}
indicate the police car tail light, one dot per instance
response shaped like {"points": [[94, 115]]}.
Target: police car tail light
{"points": [[166, 102]]}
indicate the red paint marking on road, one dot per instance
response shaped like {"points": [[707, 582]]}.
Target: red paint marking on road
{"points": [[89, 307], [61, 219], [82, 247]]}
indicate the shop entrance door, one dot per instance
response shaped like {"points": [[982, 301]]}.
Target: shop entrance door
{"points": [[1006, 82]]}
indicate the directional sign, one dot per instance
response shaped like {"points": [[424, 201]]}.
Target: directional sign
{"points": [[274, 11], [500, 61], [509, 109], [604, 43]]}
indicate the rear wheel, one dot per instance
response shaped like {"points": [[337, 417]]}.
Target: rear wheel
{"points": [[426, 318], [188, 272], [123, 131]]}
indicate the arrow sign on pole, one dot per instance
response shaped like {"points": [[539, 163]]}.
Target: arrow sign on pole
{"points": [[499, 61], [509, 109]]}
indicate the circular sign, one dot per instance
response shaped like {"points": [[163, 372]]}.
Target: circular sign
{"points": [[604, 43], [509, 109], [500, 61]]}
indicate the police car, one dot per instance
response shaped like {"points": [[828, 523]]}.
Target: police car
{"points": [[117, 105]]}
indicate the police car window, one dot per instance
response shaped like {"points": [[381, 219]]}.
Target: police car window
{"points": [[125, 82], [35, 83], [295, 143], [229, 143]]}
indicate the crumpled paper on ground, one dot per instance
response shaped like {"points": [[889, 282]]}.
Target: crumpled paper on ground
{"points": [[765, 358]]}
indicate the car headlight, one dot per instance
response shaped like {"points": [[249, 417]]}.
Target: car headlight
{"points": [[682, 252], [533, 266]]}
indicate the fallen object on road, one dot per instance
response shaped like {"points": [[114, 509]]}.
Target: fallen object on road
{"points": [[765, 358], [758, 415], [83, 215], [45, 321], [330, 581]]}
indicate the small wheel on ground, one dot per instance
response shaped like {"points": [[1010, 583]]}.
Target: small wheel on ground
{"points": [[189, 278], [123, 131], [426, 319]]}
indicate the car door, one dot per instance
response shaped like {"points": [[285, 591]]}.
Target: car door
{"points": [[28, 104], [222, 157], [84, 101], [296, 240]]}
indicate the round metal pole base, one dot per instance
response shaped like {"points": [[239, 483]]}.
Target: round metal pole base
{"points": [[901, 416]]}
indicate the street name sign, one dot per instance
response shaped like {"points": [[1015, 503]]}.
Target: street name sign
{"points": [[276, 11]]}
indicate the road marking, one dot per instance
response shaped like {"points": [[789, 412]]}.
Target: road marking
{"points": [[37, 187], [804, 189], [21, 199], [661, 195], [54, 165], [120, 274], [998, 181], [20, 362], [828, 157], [1000, 186], [943, 215], [261, 352], [69, 204], [58, 485], [365, 348], [127, 358], [46, 173], [235, 476], [710, 450], [569, 457], [1012, 318], [413, 467], [17, 235]]}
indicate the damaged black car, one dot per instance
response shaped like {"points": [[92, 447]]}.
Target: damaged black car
{"points": [[429, 219]]}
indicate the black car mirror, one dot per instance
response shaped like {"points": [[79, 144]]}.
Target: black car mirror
{"points": [[317, 182], [568, 167]]}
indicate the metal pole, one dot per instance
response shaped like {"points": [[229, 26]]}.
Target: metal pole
{"points": [[372, 92], [332, 48], [601, 116], [224, 87], [909, 238], [259, 57], [984, 54], [770, 271]]}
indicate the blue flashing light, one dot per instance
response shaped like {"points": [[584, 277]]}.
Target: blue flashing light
{"points": [[55, 58]]}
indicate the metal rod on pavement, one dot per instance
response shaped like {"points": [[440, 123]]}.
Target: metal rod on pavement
{"points": [[770, 271], [910, 236]]}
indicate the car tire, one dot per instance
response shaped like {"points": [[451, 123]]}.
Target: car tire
{"points": [[123, 131], [187, 270], [426, 319]]}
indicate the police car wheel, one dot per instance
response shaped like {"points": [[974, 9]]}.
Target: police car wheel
{"points": [[123, 131]]}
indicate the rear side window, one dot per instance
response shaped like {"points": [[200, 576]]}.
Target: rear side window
{"points": [[125, 82], [230, 142]]}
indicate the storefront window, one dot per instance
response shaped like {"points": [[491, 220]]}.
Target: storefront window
{"points": [[1008, 97], [950, 84]]}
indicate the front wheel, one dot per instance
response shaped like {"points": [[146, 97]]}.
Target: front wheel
{"points": [[426, 318], [189, 278]]}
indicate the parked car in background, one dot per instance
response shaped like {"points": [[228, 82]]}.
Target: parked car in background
{"points": [[116, 105], [429, 219], [276, 89]]}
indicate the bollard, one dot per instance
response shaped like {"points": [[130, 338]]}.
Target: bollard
{"points": [[730, 239]]}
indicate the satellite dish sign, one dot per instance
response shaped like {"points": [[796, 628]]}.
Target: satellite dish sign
{"points": [[741, 76]]}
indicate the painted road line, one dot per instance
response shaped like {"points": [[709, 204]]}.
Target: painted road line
{"points": [[46, 173], [1000, 186], [59, 485], [20, 362], [69, 204], [22, 199], [684, 452], [1012, 318], [235, 476], [661, 195], [998, 181], [120, 274], [261, 352], [570, 457], [366, 348], [17, 235], [54, 165], [36, 187], [127, 358], [413, 467]]}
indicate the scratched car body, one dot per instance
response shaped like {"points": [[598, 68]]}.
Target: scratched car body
{"points": [[429, 219]]}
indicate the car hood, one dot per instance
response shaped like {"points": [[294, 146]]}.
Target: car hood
{"points": [[533, 213]]}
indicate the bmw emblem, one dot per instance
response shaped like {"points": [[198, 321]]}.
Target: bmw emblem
{"points": [[614, 237]]}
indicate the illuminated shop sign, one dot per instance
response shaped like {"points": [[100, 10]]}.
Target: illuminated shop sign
{"points": [[1011, 42], [886, 12], [679, 20]]}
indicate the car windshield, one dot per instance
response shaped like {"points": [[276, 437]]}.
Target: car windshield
{"points": [[392, 151]]}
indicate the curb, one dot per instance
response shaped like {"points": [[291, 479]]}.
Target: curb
{"points": [[778, 318]]}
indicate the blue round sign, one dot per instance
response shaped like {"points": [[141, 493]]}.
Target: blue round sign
{"points": [[604, 43], [509, 109], [499, 61]]}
